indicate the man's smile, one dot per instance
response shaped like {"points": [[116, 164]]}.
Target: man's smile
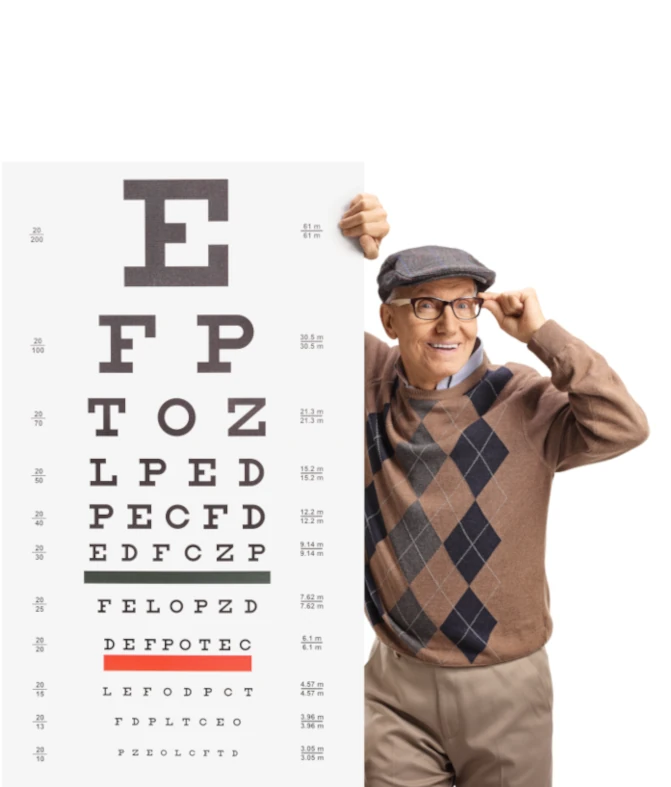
{"points": [[444, 348]]}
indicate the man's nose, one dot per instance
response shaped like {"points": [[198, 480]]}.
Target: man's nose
{"points": [[448, 320]]}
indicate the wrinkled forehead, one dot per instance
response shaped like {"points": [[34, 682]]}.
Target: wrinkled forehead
{"points": [[440, 288]]}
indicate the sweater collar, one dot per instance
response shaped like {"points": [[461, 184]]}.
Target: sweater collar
{"points": [[473, 363]]}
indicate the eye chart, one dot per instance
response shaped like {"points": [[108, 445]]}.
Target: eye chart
{"points": [[183, 366]]}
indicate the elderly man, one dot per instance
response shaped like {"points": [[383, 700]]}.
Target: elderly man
{"points": [[461, 453]]}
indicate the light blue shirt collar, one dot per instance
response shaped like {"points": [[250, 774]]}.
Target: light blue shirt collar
{"points": [[467, 369]]}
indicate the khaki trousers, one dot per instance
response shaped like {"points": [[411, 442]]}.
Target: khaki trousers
{"points": [[431, 726]]}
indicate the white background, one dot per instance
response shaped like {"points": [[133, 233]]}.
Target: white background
{"points": [[535, 137]]}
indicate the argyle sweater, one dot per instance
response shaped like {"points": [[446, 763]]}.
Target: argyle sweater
{"points": [[457, 487]]}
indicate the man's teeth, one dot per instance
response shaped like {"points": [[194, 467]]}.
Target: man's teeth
{"points": [[445, 346]]}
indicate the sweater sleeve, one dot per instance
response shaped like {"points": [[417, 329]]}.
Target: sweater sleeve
{"points": [[582, 413]]}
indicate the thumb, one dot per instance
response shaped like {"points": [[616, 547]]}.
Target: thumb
{"points": [[369, 246]]}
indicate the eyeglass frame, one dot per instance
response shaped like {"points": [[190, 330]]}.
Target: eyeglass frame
{"points": [[402, 301]]}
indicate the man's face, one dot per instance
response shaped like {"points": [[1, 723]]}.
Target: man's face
{"points": [[425, 366]]}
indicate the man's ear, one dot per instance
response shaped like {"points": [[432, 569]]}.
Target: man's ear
{"points": [[387, 319]]}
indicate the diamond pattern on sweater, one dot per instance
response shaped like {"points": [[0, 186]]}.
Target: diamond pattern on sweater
{"points": [[374, 607], [469, 625], [484, 393], [422, 407], [377, 440], [419, 547], [412, 620], [472, 543], [420, 472], [478, 454], [375, 529], [414, 541]]}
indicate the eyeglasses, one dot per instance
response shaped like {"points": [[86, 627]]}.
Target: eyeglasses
{"points": [[433, 308]]}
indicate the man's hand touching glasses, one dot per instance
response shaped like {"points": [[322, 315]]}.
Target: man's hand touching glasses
{"points": [[517, 312]]}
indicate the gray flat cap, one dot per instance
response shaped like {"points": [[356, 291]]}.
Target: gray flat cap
{"points": [[426, 263]]}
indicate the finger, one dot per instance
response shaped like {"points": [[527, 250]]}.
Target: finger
{"points": [[369, 246], [492, 305], [376, 214], [514, 296], [489, 295], [376, 229], [532, 306], [512, 305], [363, 195], [357, 201], [362, 202]]}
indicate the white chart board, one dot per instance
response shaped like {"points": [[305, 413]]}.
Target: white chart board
{"points": [[183, 485]]}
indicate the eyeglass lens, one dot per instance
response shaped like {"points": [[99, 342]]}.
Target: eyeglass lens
{"points": [[430, 309]]}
